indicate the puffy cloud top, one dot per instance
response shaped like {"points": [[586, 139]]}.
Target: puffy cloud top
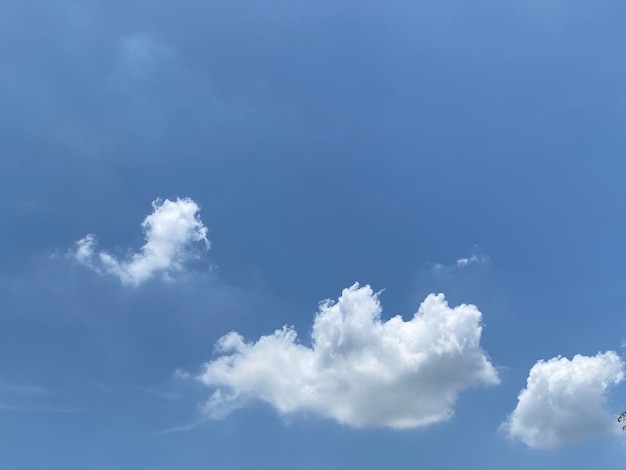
{"points": [[171, 232], [359, 370], [565, 400]]}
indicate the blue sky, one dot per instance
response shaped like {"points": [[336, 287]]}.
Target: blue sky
{"points": [[278, 153]]}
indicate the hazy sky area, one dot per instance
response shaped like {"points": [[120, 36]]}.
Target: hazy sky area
{"points": [[304, 235]]}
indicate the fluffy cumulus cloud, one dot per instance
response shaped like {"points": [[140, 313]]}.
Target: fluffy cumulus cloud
{"points": [[172, 232], [565, 400], [359, 370]]}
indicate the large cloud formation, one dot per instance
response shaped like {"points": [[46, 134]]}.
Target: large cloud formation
{"points": [[171, 232], [565, 400], [360, 370]]}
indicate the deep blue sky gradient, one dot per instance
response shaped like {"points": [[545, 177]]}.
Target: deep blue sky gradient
{"points": [[327, 143]]}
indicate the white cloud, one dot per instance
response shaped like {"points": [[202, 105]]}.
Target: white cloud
{"points": [[85, 249], [477, 257], [565, 401], [360, 370], [171, 232], [462, 262]]}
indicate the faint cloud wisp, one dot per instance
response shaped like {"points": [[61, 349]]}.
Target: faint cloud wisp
{"points": [[139, 54], [477, 257]]}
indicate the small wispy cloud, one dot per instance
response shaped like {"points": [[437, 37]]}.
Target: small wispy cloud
{"points": [[477, 257], [172, 232], [179, 429], [462, 262]]}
